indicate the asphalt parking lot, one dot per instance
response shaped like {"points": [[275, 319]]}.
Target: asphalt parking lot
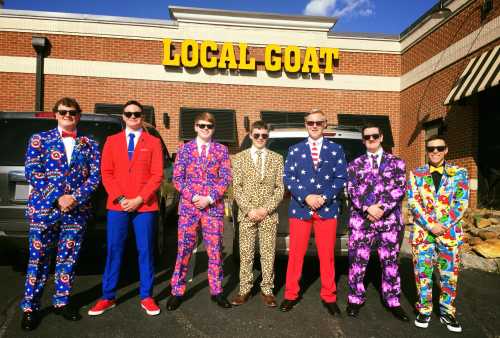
{"points": [[478, 304]]}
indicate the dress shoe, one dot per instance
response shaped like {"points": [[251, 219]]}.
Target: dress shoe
{"points": [[332, 308], [30, 320], [174, 302], [221, 301], [288, 304], [268, 300], [68, 312], [240, 299], [353, 309], [399, 313]]}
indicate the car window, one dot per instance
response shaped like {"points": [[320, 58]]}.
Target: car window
{"points": [[352, 147], [16, 132]]}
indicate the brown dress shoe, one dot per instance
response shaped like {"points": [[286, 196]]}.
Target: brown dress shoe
{"points": [[269, 300], [240, 299]]}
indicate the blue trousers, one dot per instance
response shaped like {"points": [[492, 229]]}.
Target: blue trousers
{"points": [[117, 230]]}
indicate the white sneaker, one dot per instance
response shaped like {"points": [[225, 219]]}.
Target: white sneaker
{"points": [[451, 323], [422, 321]]}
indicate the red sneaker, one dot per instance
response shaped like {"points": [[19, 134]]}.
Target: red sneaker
{"points": [[101, 306], [150, 306]]}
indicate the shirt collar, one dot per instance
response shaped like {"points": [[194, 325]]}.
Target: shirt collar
{"points": [[200, 142], [129, 131], [60, 130], [254, 149], [318, 141], [379, 153]]}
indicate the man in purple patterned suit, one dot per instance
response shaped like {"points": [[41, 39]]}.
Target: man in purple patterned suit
{"points": [[376, 187]]}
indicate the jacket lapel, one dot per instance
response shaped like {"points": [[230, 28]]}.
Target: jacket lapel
{"points": [[308, 158], [444, 182], [322, 152], [59, 145], [250, 164], [383, 162], [428, 189], [140, 144]]}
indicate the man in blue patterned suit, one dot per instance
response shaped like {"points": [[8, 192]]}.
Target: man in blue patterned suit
{"points": [[315, 174], [62, 168]]}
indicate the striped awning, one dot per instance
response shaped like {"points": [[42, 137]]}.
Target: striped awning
{"points": [[481, 73]]}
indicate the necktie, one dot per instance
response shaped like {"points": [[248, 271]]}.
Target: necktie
{"points": [[203, 152], [71, 134], [259, 162], [437, 169], [130, 146], [315, 154], [374, 161]]}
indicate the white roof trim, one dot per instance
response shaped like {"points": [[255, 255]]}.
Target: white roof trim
{"points": [[251, 19]]}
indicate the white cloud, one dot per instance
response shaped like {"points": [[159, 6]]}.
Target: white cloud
{"points": [[340, 8]]}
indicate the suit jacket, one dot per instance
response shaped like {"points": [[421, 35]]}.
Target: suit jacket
{"points": [[252, 190], [446, 206], [193, 176], [302, 179], [140, 176], [50, 176], [385, 186]]}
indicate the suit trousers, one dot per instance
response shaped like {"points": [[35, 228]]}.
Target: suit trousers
{"points": [[212, 229], [325, 234], [66, 238], [117, 231], [360, 246], [267, 242], [425, 256]]}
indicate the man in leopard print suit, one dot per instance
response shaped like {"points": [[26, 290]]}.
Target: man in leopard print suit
{"points": [[258, 189]]}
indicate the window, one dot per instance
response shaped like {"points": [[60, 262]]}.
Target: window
{"points": [[117, 109], [225, 128], [279, 117]]}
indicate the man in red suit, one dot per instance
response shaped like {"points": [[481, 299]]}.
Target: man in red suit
{"points": [[132, 171]]}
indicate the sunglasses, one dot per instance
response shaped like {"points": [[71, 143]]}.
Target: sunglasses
{"points": [[205, 126], [257, 136], [431, 149], [315, 123], [66, 112], [129, 114], [368, 137]]}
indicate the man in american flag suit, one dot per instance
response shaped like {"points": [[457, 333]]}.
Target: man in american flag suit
{"points": [[315, 174]]}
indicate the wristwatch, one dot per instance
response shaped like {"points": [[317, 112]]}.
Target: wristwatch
{"points": [[119, 199]]}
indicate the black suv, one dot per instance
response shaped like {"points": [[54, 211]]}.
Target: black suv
{"points": [[15, 131]]}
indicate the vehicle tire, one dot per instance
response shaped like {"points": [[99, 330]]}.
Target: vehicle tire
{"points": [[236, 237], [161, 241]]}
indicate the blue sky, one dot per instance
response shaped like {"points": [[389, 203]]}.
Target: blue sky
{"points": [[374, 16]]}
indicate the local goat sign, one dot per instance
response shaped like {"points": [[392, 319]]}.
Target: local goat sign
{"points": [[208, 54]]}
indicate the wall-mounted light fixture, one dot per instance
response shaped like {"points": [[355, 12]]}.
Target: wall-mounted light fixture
{"points": [[486, 8], [246, 123], [42, 47], [441, 12], [166, 120]]}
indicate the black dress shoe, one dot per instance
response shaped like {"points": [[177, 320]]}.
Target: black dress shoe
{"points": [[221, 301], [332, 308], [29, 321], [68, 312], [288, 304], [174, 302], [399, 313], [353, 309]]}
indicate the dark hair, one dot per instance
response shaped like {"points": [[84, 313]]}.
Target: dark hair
{"points": [[436, 137], [371, 125], [68, 102], [204, 116], [259, 125], [133, 102]]}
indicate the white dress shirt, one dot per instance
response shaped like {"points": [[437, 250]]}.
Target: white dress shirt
{"points": [[137, 134], [199, 143], [253, 153], [69, 145], [379, 153]]}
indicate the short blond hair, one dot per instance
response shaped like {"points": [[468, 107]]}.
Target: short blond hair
{"points": [[314, 111]]}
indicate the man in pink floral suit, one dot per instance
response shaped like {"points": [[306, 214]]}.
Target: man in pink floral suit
{"points": [[202, 173], [376, 187]]}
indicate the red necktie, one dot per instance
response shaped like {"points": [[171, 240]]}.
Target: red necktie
{"points": [[68, 134], [203, 152], [315, 154]]}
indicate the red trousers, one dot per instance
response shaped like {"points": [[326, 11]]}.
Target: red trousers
{"points": [[325, 231]]}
